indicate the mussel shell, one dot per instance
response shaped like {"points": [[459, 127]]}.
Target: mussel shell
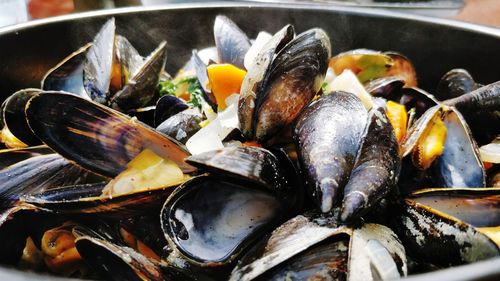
{"points": [[486, 98], [99, 62], [141, 86], [182, 125], [13, 115], [67, 76], [88, 199], [299, 237], [94, 136], [248, 164], [417, 98], [13, 232], [455, 83], [326, 261], [117, 262], [12, 156], [37, 174], [210, 221], [201, 73], [129, 58], [328, 136], [292, 80], [254, 80], [377, 166], [232, 43], [436, 237], [385, 87], [168, 106], [402, 67], [459, 165]]}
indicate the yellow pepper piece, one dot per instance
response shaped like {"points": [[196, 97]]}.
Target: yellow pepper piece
{"points": [[225, 80], [398, 117], [10, 140], [430, 145], [146, 171]]}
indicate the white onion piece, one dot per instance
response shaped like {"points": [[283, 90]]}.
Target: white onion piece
{"points": [[257, 45], [210, 137], [491, 152], [348, 82]]}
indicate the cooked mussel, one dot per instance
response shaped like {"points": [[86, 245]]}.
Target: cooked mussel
{"points": [[441, 140], [283, 79], [15, 130], [313, 246], [450, 226], [232, 43], [212, 218], [340, 147], [455, 83], [94, 136]]}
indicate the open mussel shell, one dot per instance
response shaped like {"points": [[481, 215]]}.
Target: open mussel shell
{"points": [[96, 137], [200, 68], [181, 126], [291, 81], [385, 87], [255, 79], [211, 221], [455, 83], [249, 164], [417, 98], [232, 43], [12, 156], [67, 75], [14, 118], [37, 174], [450, 226], [141, 85], [98, 65], [402, 67], [168, 106], [313, 246], [88, 199], [117, 262], [481, 109], [459, 165], [328, 135]]}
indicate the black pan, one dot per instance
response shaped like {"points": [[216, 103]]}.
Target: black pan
{"points": [[27, 51]]}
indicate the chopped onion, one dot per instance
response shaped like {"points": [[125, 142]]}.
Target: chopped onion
{"points": [[348, 82]]}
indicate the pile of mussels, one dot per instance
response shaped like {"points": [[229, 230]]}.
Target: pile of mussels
{"points": [[263, 159]]}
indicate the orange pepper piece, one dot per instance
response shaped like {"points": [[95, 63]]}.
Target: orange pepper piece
{"points": [[225, 80], [398, 117]]}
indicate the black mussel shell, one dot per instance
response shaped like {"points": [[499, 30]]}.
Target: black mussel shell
{"points": [[168, 106], [443, 226], [455, 83], [142, 83], [13, 115], [201, 73], [117, 262], [328, 135], [94, 136], [37, 174], [210, 221], [486, 98], [377, 166], [67, 76], [232, 43], [386, 87], [255, 78], [98, 65], [418, 99], [182, 125], [248, 164], [88, 199], [12, 156], [291, 81]]}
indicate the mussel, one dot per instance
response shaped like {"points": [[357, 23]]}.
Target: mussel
{"points": [[283, 79], [347, 152]]}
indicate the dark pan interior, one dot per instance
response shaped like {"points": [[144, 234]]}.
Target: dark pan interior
{"points": [[435, 46]]}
